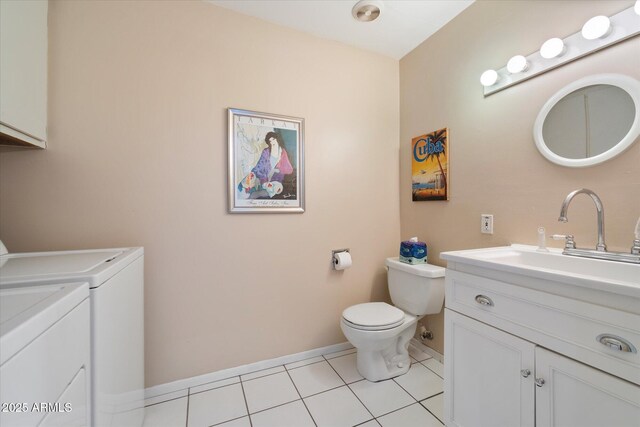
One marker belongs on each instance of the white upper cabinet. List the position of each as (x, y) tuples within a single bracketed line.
[(23, 72)]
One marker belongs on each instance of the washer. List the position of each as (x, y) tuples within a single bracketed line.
[(116, 296)]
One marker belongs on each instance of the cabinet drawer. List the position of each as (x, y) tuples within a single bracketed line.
[(561, 324)]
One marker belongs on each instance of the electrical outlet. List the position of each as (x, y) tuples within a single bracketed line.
[(486, 224)]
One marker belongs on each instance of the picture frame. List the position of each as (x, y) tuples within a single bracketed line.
[(430, 178), (266, 162)]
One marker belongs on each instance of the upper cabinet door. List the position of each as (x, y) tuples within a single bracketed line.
[(573, 394), (489, 375), (23, 71)]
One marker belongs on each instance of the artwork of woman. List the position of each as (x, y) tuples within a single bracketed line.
[(266, 178), (274, 163)]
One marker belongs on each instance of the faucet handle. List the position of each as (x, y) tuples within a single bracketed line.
[(569, 243)]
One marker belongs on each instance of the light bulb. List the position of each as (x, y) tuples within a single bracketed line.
[(517, 64), (552, 48), (596, 27), (489, 78)]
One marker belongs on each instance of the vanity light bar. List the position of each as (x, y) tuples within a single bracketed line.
[(557, 52)]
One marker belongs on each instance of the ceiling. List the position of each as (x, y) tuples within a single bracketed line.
[(402, 25)]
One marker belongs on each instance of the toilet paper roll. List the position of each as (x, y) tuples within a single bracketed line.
[(342, 260)]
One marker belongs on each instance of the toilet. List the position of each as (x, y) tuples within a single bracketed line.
[(381, 332)]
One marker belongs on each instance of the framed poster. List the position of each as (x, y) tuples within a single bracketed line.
[(430, 166), (266, 163)]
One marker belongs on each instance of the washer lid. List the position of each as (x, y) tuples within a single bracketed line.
[(95, 266), (374, 314), (23, 265)]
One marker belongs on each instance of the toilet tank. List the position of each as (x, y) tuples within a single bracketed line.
[(416, 288)]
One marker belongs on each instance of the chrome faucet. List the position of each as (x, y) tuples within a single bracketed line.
[(601, 249), (601, 246)]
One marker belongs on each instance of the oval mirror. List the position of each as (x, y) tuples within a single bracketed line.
[(589, 121)]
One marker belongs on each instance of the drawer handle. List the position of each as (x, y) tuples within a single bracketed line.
[(616, 343), (484, 300)]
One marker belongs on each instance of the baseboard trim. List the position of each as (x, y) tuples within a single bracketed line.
[(420, 346), (179, 388)]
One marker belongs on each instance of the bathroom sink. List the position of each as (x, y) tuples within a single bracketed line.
[(552, 265)]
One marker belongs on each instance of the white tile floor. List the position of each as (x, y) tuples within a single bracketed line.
[(325, 391)]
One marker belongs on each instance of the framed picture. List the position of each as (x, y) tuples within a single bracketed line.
[(430, 166), (266, 163)]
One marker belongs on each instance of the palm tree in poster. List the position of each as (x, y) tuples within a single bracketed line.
[(439, 138)]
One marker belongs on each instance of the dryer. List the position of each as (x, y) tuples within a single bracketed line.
[(45, 355), (116, 297)]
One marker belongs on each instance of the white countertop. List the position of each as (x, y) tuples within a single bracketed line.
[(610, 276)]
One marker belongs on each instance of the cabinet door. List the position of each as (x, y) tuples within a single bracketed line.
[(574, 394), (489, 379), (23, 70)]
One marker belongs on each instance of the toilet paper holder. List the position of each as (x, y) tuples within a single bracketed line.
[(333, 254)]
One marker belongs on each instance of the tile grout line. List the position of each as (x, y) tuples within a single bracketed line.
[(352, 392), (412, 396), (186, 421), (302, 366), (246, 404), (406, 391), (404, 407), (168, 400), (334, 370), (232, 419), (299, 394), (431, 369), (213, 388), (275, 406), (368, 421), (434, 415), (262, 376), (429, 410)]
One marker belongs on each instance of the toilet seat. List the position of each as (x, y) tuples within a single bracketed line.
[(373, 316)]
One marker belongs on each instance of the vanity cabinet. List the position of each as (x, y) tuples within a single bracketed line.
[(494, 379), (482, 375), (574, 394), (518, 354), (23, 72)]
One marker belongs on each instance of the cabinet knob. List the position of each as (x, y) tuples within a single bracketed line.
[(616, 343), (484, 300), (525, 373), (539, 382)]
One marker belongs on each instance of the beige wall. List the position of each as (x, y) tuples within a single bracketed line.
[(137, 155), (495, 167)]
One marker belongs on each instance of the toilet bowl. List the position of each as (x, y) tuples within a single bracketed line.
[(381, 332)]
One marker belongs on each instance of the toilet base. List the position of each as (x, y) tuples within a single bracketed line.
[(389, 362)]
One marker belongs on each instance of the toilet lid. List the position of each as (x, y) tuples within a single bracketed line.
[(374, 315)]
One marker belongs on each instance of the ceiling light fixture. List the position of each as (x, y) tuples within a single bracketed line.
[(367, 10), (517, 64), (596, 27), (552, 48)]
